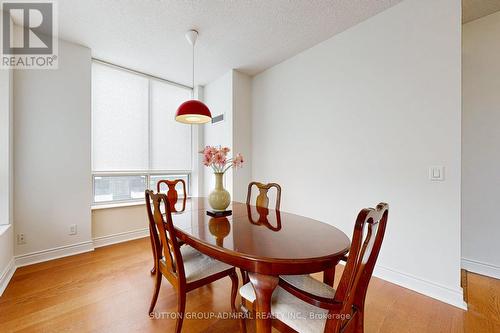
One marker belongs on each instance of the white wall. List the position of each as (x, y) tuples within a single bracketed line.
[(218, 97), (358, 119), (230, 95), (119, 221), (197, 169), (6, 143), (7, 267), (52, 152), (481, 142), (6, 102), (242, 133), (6, 183)]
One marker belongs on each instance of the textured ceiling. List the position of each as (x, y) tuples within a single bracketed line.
[(246, 35), (474, 9)]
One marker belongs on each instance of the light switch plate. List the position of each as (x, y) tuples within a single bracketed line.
[(436, 173)]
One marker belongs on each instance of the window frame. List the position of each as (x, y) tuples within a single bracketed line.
[(149, 172), (148, 176)]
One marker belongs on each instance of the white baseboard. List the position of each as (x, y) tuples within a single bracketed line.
[(7, 274), (481, 268), (425, 287), (120, 237), (54, 253)]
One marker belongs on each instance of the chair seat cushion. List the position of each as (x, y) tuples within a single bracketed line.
[(310, 285), (197, 265), (297, 314)]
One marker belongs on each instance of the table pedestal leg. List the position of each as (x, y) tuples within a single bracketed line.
[(263, 286), (329, 276)]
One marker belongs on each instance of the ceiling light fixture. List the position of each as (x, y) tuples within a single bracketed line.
[(193, 111)]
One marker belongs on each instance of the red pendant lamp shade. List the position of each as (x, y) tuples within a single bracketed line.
[(193, 112)]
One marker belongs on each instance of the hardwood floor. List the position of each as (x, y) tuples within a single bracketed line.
[(109, 290)]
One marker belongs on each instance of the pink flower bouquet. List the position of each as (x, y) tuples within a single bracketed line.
[(216, 157)]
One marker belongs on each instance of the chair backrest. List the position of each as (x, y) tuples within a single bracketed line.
[(163, 233), (153, 233), (262, 199), (172, 194), (367, 239)]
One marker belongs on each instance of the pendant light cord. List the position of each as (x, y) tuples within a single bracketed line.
[(193, 66)]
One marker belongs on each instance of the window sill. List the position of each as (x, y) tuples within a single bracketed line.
[(117, 205), (4, 228)]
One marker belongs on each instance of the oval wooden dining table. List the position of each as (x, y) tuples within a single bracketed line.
[(263, 242)]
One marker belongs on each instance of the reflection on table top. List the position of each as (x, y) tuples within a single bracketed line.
[(259, 232)]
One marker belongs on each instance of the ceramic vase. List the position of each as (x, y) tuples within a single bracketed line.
[(219, 198)]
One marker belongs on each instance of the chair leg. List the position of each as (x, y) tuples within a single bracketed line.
[(243, 324), (234, 289), (244, 276), (155, 293), (155, 264), (360, 322), (181, 307)]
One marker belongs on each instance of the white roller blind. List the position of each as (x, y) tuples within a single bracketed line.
[(133, 123), (170, 140), (119, 120)]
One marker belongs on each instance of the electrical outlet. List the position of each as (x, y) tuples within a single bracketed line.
[(72, 229), (20, 239)]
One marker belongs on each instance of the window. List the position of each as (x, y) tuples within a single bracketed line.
[(135, 138), (120, 103), (118, 188)]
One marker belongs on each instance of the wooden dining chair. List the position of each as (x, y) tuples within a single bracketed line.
[(172, 193), (262, 199), (172, 197), (184, 267), (304, 304)]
